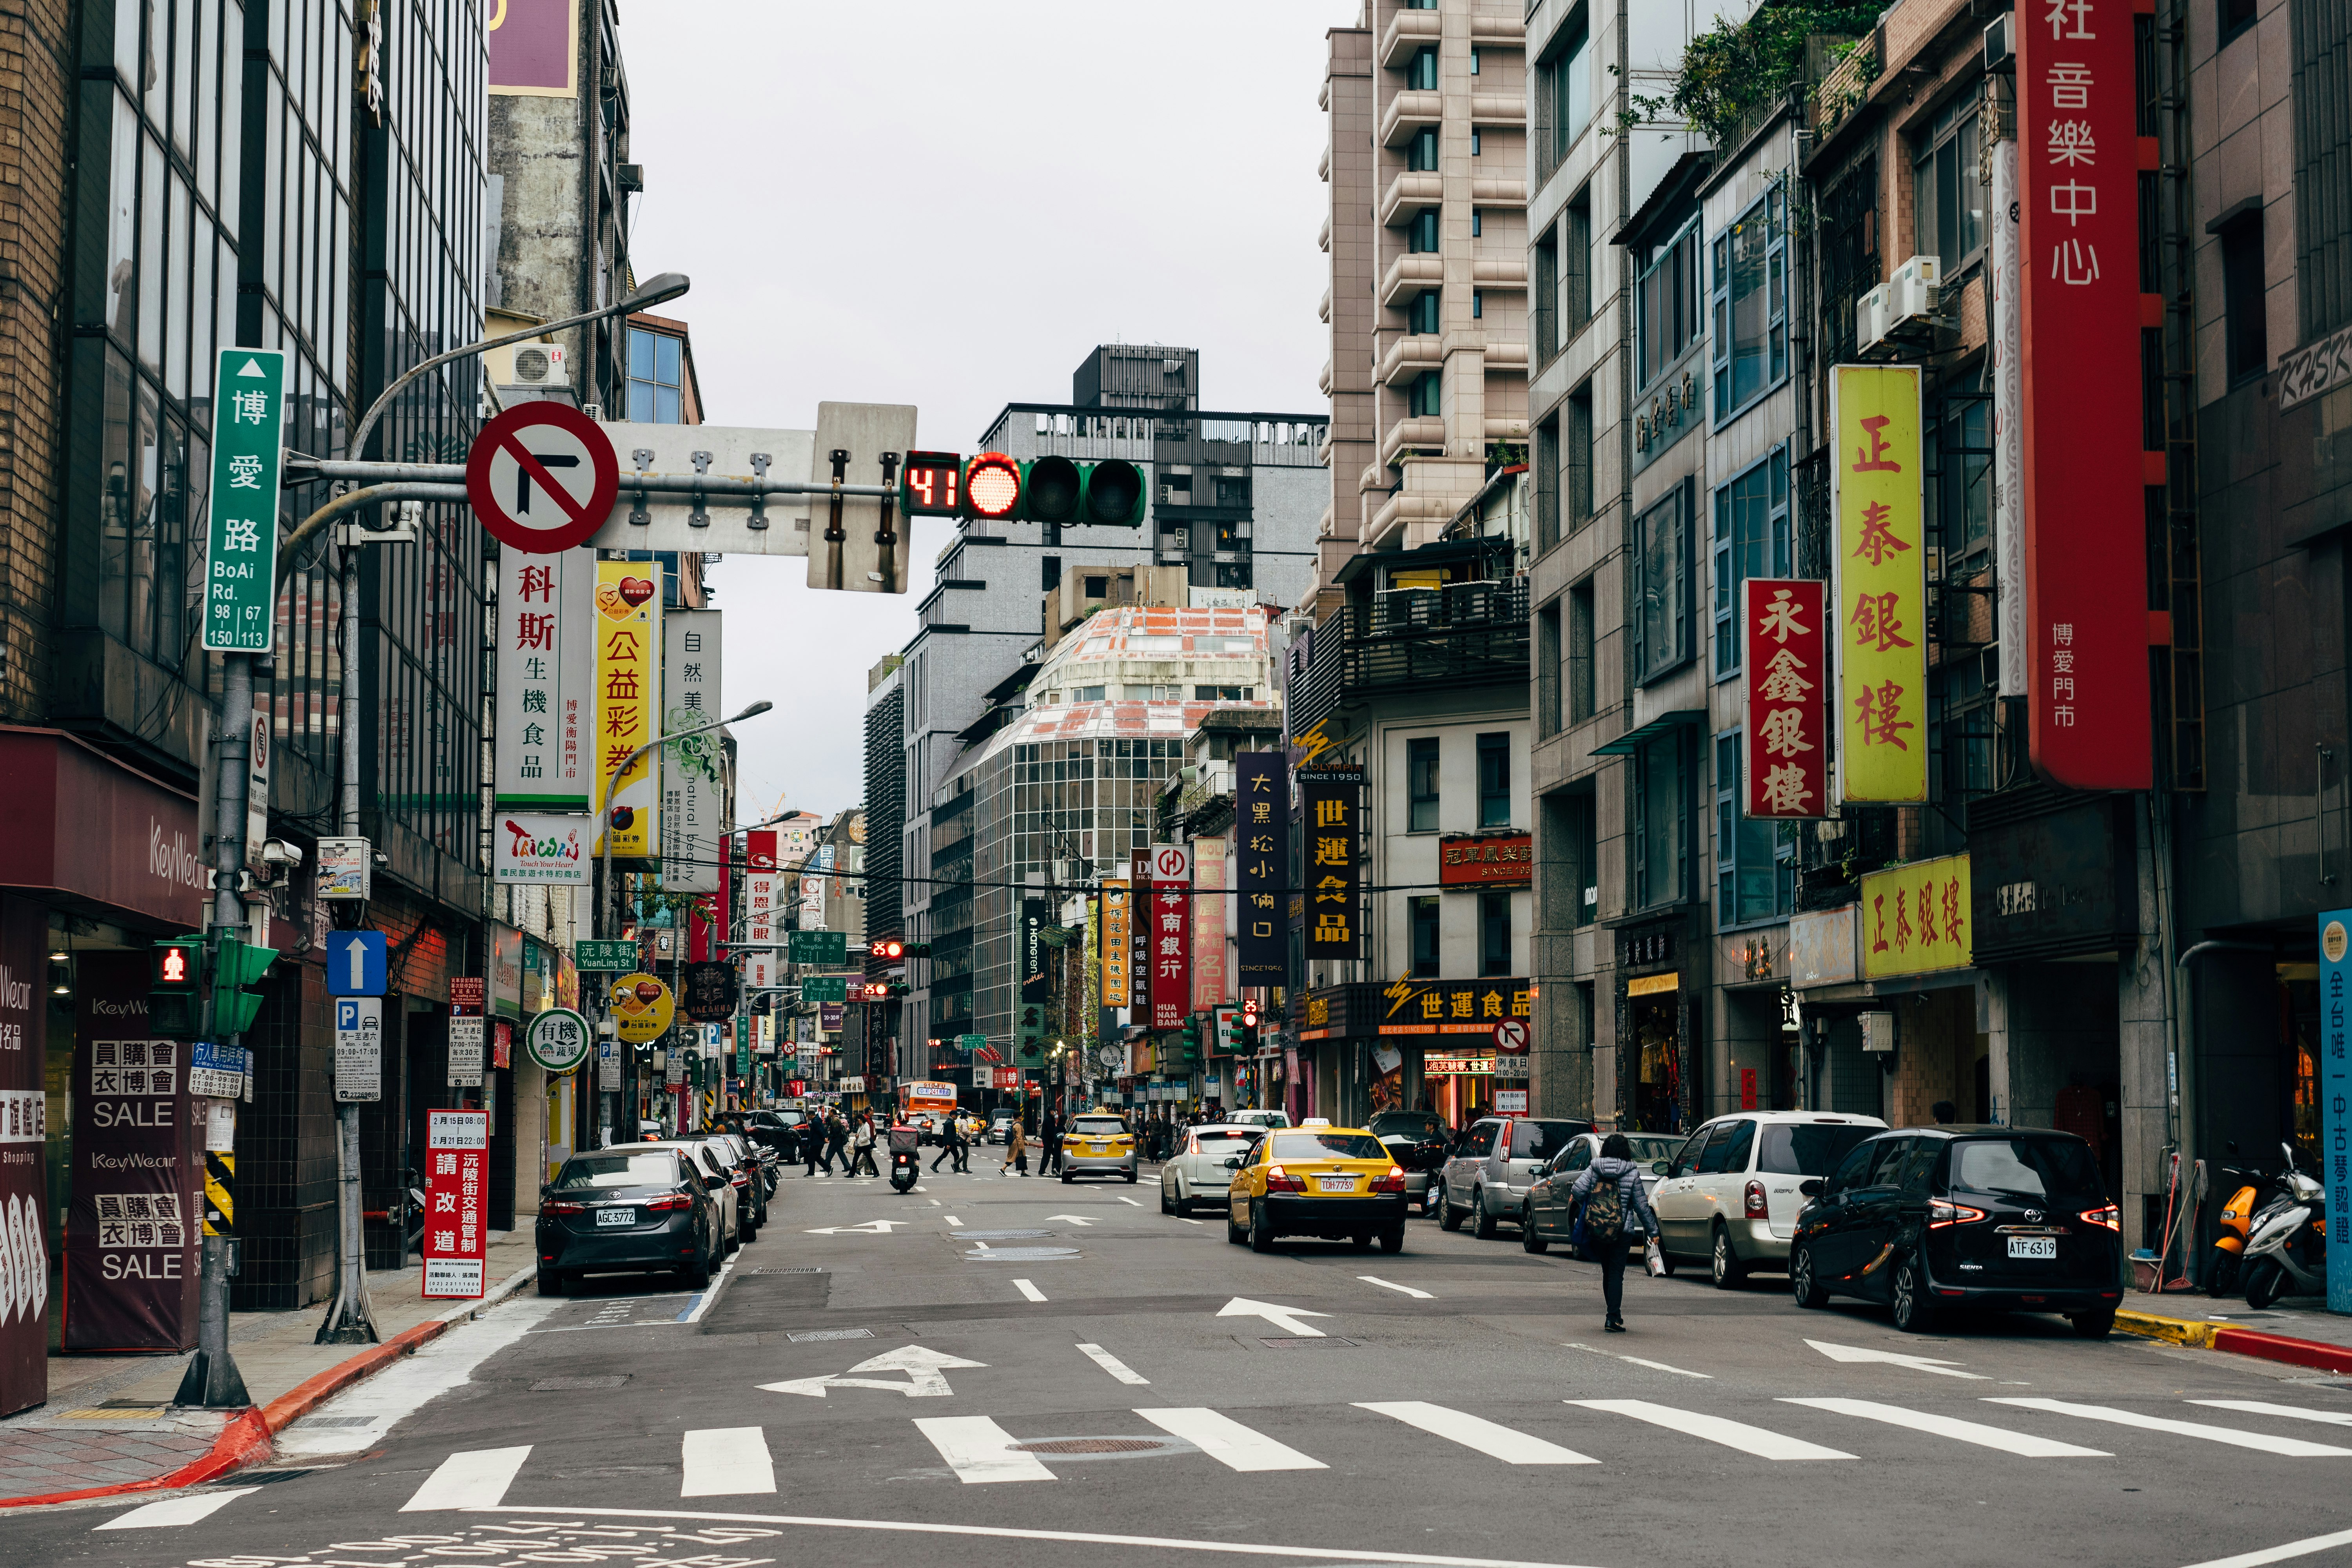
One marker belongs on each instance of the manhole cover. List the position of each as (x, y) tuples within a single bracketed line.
[(814, 1334), (998, 1235), (1091, 1446), (558, 1385), (1301, 1344), (1020, 1253)]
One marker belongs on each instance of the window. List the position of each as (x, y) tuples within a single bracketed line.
[(1097, 587), (1474, 143), (1234, 575), (1424, 914), (1421, 71), (1576, 264), (656, 395), (1495, 781), (1580, 705), (1494, 933), (1420, 785), (1962, 738), (1478, 221), (1662, 826), (1421, 237), (1755, 858), (1427, 398), (1421, 153), (1421, 314), (2236, 16), (1751, 539), (1661, 607), (1477, 304), (1051, 565), (1474, 60), (1224, 693), (1543, 319), (1750, 305), (1947, 199), (1571, 88), (1585, 822), (1667, 311), (1576, 455), (1548, 670), (1087, 694), (1547, 487), (2245, 341)]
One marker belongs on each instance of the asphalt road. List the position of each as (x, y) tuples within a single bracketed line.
[(1002, 1370)]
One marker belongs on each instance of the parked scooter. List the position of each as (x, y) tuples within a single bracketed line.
[(2249, 1190), (2286, 1252)]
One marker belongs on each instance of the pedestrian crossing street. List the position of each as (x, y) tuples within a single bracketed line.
[(737, 1462)]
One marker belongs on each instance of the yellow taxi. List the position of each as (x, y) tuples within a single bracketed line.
[(1098, 1143), (1331, 1182)]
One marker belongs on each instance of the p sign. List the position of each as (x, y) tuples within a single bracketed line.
[(542, 477)]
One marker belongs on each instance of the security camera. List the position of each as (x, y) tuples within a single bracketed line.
[(277, 852)]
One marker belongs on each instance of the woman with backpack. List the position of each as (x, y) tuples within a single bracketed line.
[(1615, 1210)]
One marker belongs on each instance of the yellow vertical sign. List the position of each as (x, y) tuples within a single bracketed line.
[(628, 681), (1880, 573), (1115, 940)]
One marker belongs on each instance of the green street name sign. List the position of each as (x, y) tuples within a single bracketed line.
[(817, 947), (619, 957), (241, 537), (971, 1042), (825, 988)]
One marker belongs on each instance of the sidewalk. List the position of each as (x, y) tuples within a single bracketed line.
[(2298, 1331), (108, 1424)]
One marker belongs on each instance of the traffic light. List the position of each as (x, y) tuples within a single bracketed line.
[(1107, 494), (916, 949), (1248, 1042), (877, 991), (931, 484), (889, 949), (238, 966), (1192, 1037), (175, 988), (992, 488)]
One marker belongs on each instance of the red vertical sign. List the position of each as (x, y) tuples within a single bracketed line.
[(1171, 934), (1786, 692), (2085, 507), (456, 1192)]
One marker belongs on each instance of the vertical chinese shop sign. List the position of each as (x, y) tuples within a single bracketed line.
[(1262, 871), (2335, 1097), (547, 640), (1171, 934), (760, 928), (1209, 976), (1787, 677), (1881, 583), (1140, 923), (456, 1184), (1329, 799), (628, 681), (1117, 942), (2086, 502)]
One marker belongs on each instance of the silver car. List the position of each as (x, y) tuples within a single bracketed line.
[(1097, 1143), (1731, 1195), (1495, 1165), (1197, 1172)]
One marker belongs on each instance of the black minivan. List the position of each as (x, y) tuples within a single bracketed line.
[(629, 1209), (1925, 1218)]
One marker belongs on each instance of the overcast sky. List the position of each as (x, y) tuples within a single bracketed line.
[(950, 204)]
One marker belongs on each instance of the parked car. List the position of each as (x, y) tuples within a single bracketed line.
[(1731, 1195), (1196, 1172), (1260, 1119), (1550, 1215), (750, 1178), (1000, 1127), (1928, 1218), (633, 1209), (711, 1160), (1495, 1166), (1337, 1183), (1417, 1141), (777, 1130)]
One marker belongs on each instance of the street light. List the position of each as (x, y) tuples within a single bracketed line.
[(613, 785)]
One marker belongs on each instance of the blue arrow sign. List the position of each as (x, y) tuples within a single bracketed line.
[(355, 963)]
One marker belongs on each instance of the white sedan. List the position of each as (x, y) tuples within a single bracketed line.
[(1196, 1173)]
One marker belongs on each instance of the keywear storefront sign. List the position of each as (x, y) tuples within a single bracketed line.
[(1784, 688), (1497, 860), (1209, 977), (692, 792), (1452, 1006), (1877, 496), (1330, 803), (1116, 940), (760, 884), (559, 1040), (1262, 866), (2061, 883), (1917, 918), (543, 848)]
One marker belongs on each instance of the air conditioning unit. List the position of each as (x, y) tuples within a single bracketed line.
[(528, 364), (1870, 319), (1915, 293)]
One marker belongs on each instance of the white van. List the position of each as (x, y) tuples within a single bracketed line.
[(1730, 1197)]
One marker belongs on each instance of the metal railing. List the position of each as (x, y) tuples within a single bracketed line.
[(1467, 634)]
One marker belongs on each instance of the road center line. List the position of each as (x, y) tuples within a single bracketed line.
[(1028, 1290), (1113, 1365), (1639, 1361), (1393, 1285), (952, 1220)]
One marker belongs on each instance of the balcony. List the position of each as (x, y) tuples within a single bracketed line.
[(1408, 31), (1468, 633), (1323, 382), (1409, 355), (1498, 27), (1497, 109), (1418, 433), (1323, 306), (1408, 193), (1408, 111), (1410, 274), (1488, 191), (1323, 238), (1499, 270), (1323, 165)]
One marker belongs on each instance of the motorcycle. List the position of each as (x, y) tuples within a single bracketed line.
[(2286, 1250), (905, 1158), (2249, 1189)]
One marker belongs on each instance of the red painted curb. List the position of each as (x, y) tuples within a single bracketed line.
[(244, 1438), (309, 1394), (2280, 1348)]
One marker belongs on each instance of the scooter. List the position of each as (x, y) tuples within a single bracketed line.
[(2287, 1251), (2249, 1190), (905, 1167)]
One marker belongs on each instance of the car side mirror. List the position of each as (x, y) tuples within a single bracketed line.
[(715, 1183), (1811, 1187), (1657, 1167), (1233, 1161)]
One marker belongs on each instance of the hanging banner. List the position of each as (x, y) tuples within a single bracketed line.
[(1117, 942), (1784, 688), (2335, 1097), (760, 924), (544, 752), (24, 1136), (2005, 347), (456, 1187), (1172, 944), (628, 681), (1261, 866), (1876, 496), (1329, 799), (1918, 918), (1209, 968), (2086, 468), (1029, 1027), (693, 800)]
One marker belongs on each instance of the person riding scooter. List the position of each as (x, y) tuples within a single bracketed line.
[(906, 1155)]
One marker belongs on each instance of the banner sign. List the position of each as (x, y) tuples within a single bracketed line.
[(1141, 925), (1917, 918), (1452, 1006), (545, 750), (642, 1008), (1497, 861), (545, 848), (1029, 1028), (1170, 936), (24, 1135), (2335, 1097), (2086, 473), (707, 992), (456, 1188), (1877, 498), (759, 912), (241, 534), (534, 48), (1784, 688), (1117, 940), (693, 799), (358, 1049), (1262, 866), (1329, 799), (628, 682), (1209, 977)]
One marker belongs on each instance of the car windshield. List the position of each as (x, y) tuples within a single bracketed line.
[(1417, 1124), (1329, 1146), (620, 1171), (2056, 1170), (1808, 1148), (1542, 1139), (1098, 1126), (1647, 1149), (1224, 1142)]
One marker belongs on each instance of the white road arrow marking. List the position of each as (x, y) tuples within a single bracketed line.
[(1284, 1317), (926, 1378), (871, 1228), (1852, 1353), (1074, 1219)]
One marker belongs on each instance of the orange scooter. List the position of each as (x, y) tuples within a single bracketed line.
[(2251, 1189)]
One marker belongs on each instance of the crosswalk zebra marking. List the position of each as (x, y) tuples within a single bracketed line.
[(980, 1451), (1028, 1290), (2292, 1412), (726, 1461), (476, 1478), (1736, 1434), (1952, 1427), (2261, 1442), (1113, 1365), (176, 1511), (1490, 1438), (1227, 1441)]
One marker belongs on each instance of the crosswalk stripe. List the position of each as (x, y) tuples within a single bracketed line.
[(1736, 1434), (1028, 1290), (1393, 1285), (1227, 1441), (479, 1479), (726, 1461), (1975, 1432), (2286, 1448), (1494, 1441), (2292, 1412), (978, 1450), (176, 1511), (1113, 1365)]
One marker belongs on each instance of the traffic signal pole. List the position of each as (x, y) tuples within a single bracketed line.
[(350, 1317)]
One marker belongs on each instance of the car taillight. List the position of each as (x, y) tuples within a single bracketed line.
[(1279, 1180), (558, 1206), (1392, 1183), (2110, 1217), (1942, 1212), (1755, 1209), (671, 1201), (740, 1180)]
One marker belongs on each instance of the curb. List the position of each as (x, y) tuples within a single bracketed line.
[(245, 1439), (2216, 1336)]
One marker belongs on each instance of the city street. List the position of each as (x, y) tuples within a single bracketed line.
[(1052, 1374)]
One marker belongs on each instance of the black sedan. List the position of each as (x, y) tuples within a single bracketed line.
[(627, 1210), (1930, 1219)]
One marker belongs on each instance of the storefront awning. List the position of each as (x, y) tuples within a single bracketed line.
[(1627, 743)]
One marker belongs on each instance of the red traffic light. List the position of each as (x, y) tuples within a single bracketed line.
[(1249, 1013), (992, 485), (889, 949), (172, 966)]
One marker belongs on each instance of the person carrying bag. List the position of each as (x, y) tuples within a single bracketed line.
[(1614, 1210)]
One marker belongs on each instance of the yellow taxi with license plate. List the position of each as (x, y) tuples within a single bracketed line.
[(1332, 1182), (1098, 1143)]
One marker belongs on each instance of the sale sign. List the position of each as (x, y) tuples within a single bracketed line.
[(1171, 934), (628, 682), (1878, 499), (1786, 695), (2085, 505), (457, 1194)]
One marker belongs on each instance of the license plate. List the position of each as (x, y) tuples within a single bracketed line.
[(616, 1217), (1336, 1184), (2033, 1246)]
